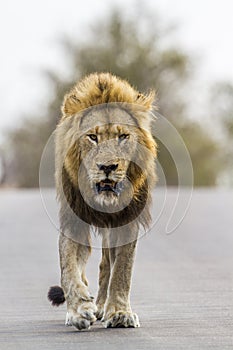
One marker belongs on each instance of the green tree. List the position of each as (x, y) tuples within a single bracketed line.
[(135, 50)]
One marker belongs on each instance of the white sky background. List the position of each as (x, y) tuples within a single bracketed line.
[(29, 32)]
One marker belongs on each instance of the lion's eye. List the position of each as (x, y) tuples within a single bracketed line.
[(93, 137), (123, 137)]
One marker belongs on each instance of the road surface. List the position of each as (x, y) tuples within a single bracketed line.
[(182, 285)]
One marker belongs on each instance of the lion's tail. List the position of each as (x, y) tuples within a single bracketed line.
[(56, 295)]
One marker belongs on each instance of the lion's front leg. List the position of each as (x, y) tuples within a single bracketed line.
[(118, 311), (80, 306)]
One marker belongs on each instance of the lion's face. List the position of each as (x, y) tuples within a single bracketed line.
[(107, 145)]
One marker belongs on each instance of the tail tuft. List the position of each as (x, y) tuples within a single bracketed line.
[(56, 295)]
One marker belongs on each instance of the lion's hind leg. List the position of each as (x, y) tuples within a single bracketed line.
[(104, 276)]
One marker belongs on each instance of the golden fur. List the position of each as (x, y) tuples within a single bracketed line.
[(105, 170), (102, 88)]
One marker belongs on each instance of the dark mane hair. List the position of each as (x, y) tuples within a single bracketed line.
[(74, 199)]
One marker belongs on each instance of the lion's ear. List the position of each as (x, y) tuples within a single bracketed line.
[(147, 104), (71, 105), (146, 100)]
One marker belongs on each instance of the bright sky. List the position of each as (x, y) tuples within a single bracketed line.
[(29, 31)]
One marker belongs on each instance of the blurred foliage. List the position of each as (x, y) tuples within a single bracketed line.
[(222, 106), (26, 144), (133, 49), (222, 111)]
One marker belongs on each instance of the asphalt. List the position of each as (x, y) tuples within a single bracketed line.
[(182, 285)]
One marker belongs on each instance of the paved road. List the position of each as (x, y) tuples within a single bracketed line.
[(182, 286)]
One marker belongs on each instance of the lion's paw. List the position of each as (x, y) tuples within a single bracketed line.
[(100, 312), (68, 321), (83, 318), (78, 322), (121, 319)]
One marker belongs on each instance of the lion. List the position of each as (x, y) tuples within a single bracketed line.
[(104, 171)]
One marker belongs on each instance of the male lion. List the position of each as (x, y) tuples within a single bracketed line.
[(105, 169)]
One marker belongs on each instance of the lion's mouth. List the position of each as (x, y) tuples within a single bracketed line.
[(108, 185)]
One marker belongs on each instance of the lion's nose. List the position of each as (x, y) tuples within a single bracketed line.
[(107, 168)]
